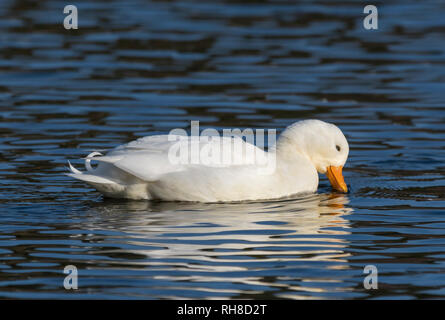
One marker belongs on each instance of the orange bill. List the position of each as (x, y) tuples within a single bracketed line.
[(336, 179)]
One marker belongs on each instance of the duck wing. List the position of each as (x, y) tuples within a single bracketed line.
[(150, 158)]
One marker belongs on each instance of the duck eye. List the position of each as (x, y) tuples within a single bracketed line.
[(338, 147)]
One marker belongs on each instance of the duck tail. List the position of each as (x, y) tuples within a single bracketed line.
[(89, 176)]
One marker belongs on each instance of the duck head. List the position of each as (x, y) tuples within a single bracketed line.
[(323, 144)]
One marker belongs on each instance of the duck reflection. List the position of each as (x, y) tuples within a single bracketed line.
[(288, 245), (315, 214)]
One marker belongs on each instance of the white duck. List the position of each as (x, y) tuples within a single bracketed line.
[(144, 169)]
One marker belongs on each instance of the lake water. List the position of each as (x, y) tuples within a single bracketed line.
[(135, 68)]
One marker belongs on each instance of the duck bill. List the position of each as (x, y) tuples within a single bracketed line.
[(335, 176)]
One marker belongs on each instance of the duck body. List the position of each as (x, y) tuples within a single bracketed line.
[(148, 168)]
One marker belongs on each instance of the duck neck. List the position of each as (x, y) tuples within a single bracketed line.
[(287, 151), (294, 167)]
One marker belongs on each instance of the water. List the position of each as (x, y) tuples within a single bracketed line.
[(136, 68)]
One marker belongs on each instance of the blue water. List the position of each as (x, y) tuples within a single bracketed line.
[(135, 68)]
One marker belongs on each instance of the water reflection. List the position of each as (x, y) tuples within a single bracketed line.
[(310, 214), (243, 243)]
